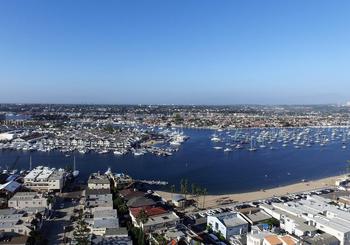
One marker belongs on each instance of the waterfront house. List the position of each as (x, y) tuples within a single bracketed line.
[(45, 179), (99, 181), (179, 201)]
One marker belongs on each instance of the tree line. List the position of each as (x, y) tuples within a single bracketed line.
[(197, 192)]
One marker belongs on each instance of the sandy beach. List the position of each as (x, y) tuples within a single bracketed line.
[(217, 200)]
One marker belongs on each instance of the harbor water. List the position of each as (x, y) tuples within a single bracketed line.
[(220, 172)]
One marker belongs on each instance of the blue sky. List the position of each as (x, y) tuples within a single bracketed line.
[(175, 52)]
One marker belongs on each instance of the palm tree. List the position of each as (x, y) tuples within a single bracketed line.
[(347, 168), (193, 189), (172, 190), (186, 187), (182, 186), (204, 192)]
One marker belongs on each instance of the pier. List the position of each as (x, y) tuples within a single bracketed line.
[(152, 182)]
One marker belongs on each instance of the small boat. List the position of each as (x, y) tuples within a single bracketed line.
[(109, 171), (227, 149), (217, 147), (118, 153), (215, 139)]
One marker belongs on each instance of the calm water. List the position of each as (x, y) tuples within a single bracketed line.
[(198, 162)]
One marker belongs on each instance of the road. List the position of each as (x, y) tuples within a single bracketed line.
[(53, 229)]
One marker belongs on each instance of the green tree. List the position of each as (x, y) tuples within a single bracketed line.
[(81, 231), (37, 238), (178, 118), (272, 222), (137, 235), (142, 217), (50, 200)]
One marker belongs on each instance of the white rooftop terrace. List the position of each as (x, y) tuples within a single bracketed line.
[(319, 210)]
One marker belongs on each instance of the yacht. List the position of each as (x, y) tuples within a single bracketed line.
[(215, 139), (118, 152)]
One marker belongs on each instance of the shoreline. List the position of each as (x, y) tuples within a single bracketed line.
[(212, 201)]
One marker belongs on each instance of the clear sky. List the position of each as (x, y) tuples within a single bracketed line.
[(175, 51)]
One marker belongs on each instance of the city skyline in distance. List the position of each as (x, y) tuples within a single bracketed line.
[(183, 52)]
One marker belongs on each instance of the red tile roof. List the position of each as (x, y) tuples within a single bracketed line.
[(150, 211)]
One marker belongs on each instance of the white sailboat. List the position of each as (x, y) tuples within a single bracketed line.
[(75, 172), (252, 148)]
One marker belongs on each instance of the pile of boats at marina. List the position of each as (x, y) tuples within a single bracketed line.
[(277, 138), (164, 143)]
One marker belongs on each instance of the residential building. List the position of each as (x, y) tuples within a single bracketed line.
[(279, 240), (98, 199), (254, 215), (179, 201), (159, 219), (15, 221), (103, 220), (22, 200), (98, 181), (228, 224), (117, 236), (316, 212), (9, 238)]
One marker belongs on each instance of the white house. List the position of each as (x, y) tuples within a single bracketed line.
[(228, 224)]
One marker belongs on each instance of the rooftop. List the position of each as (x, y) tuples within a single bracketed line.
[(230, 219)]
